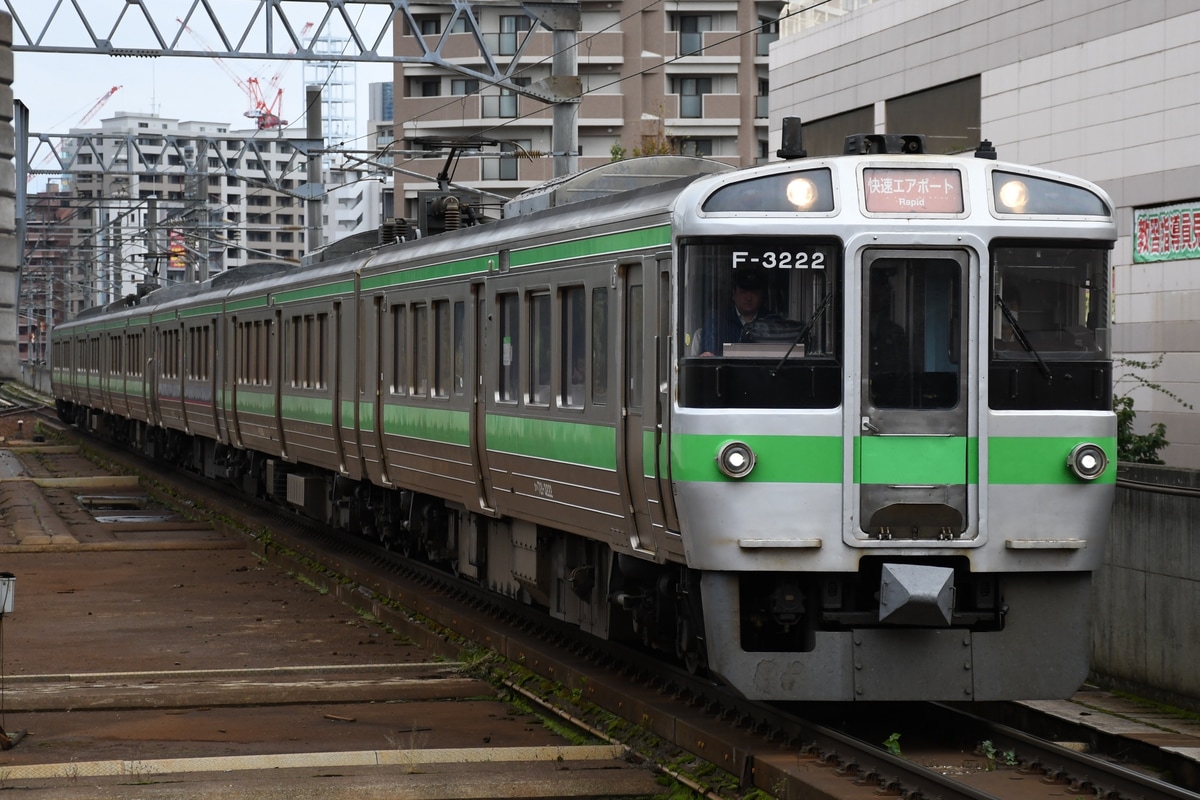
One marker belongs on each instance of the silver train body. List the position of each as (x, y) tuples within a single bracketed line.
[(892, 483)]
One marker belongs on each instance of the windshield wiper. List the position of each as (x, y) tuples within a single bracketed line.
[(1022, 339), (803, 334)]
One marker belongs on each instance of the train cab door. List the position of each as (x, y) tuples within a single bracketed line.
[(913, 461), (637, 457)]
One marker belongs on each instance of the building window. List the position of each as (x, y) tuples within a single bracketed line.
[(948, 115), (691, 93), (427, 24), (504, 168), (511, 28), (692, 28), (503, 105), (699, 148), (463, 86)]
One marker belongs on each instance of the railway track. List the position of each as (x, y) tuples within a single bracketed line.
[(654, 707)]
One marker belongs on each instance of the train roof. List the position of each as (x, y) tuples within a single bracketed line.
[(609, 179)]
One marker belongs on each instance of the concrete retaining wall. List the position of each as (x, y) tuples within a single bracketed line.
[(9, 257), (1146, 599)]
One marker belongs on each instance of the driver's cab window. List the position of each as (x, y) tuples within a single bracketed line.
[(758, 299), (760, 323), (1049, 302)]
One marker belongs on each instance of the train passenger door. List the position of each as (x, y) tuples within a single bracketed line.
[(281, 374), (215, 346), (375, 376), (345, 352), (914, 462), (238, 360), (478, 424), (637, 459)]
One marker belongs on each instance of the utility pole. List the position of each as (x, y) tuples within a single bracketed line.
[(312, 112)]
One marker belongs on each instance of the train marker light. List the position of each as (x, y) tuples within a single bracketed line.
[(802, 193), (1087, 461), (735, 459), (1013, 195)]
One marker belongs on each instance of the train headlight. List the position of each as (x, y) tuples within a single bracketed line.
[(1013, 196), (802, 193), (1087, 461), (735, 459)]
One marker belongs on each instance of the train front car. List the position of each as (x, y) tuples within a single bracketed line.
[(892, 442)]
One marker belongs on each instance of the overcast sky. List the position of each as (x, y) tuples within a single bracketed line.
[(60, 89)]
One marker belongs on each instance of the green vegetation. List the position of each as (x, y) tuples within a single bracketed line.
[(1139, 448)]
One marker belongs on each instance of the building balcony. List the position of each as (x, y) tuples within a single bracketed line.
[(724, 45)]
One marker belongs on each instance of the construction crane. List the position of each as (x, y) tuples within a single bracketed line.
[(264, 114), (273, 84), (91, 112)]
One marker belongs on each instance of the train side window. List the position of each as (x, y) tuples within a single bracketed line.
[(399, 349), (296, 362), (510, 347), (320, 347), (634, 346), (574, 347), (599, 346), (312, 378), (460, 370), (441, 348), (420, 320), (539, 349)]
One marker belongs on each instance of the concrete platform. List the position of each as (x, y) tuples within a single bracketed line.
[(159, 658)]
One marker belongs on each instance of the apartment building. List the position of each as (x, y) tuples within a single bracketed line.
[(172, 200), (690, 76)]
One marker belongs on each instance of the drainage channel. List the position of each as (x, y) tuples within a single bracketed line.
[(113, 509)]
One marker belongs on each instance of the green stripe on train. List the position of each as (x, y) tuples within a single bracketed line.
[(642, 238), (251, 402), (452, 269), (780, 459), (556, 440), (935, 460), (431, 424), (1043, 459), (315, 410), (314, 292)]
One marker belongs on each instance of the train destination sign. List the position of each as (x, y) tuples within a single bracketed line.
[(912, 191)]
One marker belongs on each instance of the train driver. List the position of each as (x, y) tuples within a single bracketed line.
[(749, 300)]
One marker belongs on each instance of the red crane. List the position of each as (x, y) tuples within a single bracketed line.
[(91, 112), (264, 114)]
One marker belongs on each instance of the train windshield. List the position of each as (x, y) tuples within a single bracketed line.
[(1050, 303), (760, 321)]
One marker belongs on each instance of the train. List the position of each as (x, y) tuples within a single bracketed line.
[(831, 428)]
